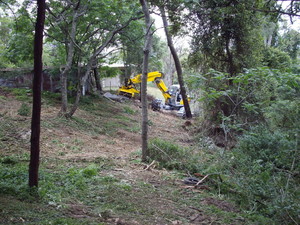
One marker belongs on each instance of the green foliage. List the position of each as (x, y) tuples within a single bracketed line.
[(226, 35), (276, 59), (52, 188), (51, 98), (75, 180), (21, 94), (20, 44), (261, 172), (5, 32), (249, 98), (289, 42), (132, 39), (265, 164), (24, 110), (172, 156), (129, 110), (276, 148), (54, 54), (90, 171), (107, 71), (13, 179), (101, 19)]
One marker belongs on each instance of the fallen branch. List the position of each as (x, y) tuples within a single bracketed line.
[(149, 166), (201, 181)]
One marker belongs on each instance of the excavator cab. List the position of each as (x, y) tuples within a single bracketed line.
[(175, 99)]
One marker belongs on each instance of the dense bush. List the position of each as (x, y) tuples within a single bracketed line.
[(266, 166), (172, 156), (277, 59), (233, 104), (259, 110)]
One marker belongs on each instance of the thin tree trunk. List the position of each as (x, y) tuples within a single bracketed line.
[(148, 40), (97, 80), (36, 106), (177, 65), (70, 52), (78, 93)]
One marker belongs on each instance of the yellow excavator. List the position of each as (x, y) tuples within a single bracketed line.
[(173, 98)]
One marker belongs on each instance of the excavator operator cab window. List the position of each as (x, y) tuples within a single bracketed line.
[(178, 97), (173, 90), (128, 82)]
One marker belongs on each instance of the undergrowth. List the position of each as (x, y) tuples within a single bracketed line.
[(65, 188), (254, 175), (172, 156)]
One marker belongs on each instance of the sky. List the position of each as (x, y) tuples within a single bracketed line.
[(295, 24)]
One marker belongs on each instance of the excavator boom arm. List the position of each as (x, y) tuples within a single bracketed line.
[(129, 89), (163, 88), (150, 77)]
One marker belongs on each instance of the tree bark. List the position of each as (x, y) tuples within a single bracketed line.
[(97, 80), (70, 55), (78, 94), (177, 65), (148, 40), (36, 106)]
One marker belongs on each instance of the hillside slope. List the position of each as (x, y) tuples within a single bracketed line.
[(91, 172)]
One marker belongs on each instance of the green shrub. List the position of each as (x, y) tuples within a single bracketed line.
[(172, 156), (24, 110), (264, 166), (90, 171), (50, 97), (276, 59), (129, 110), (21, 94)]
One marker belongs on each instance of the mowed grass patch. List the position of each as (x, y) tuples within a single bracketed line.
[(97, 115), (14, 135)]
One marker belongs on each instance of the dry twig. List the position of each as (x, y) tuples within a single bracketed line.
[(201, 181), (150, 165)]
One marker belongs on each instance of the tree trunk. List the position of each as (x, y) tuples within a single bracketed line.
[(36, 106), (64, 74), (78, 94), (177, 65), (148, 40), (98, 81)]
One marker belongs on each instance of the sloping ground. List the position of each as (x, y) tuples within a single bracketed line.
[(91, 171)]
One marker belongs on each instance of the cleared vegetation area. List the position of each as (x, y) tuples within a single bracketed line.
[(91, 173)]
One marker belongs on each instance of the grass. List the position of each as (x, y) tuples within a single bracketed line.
[(11, 131), (22, 94)]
